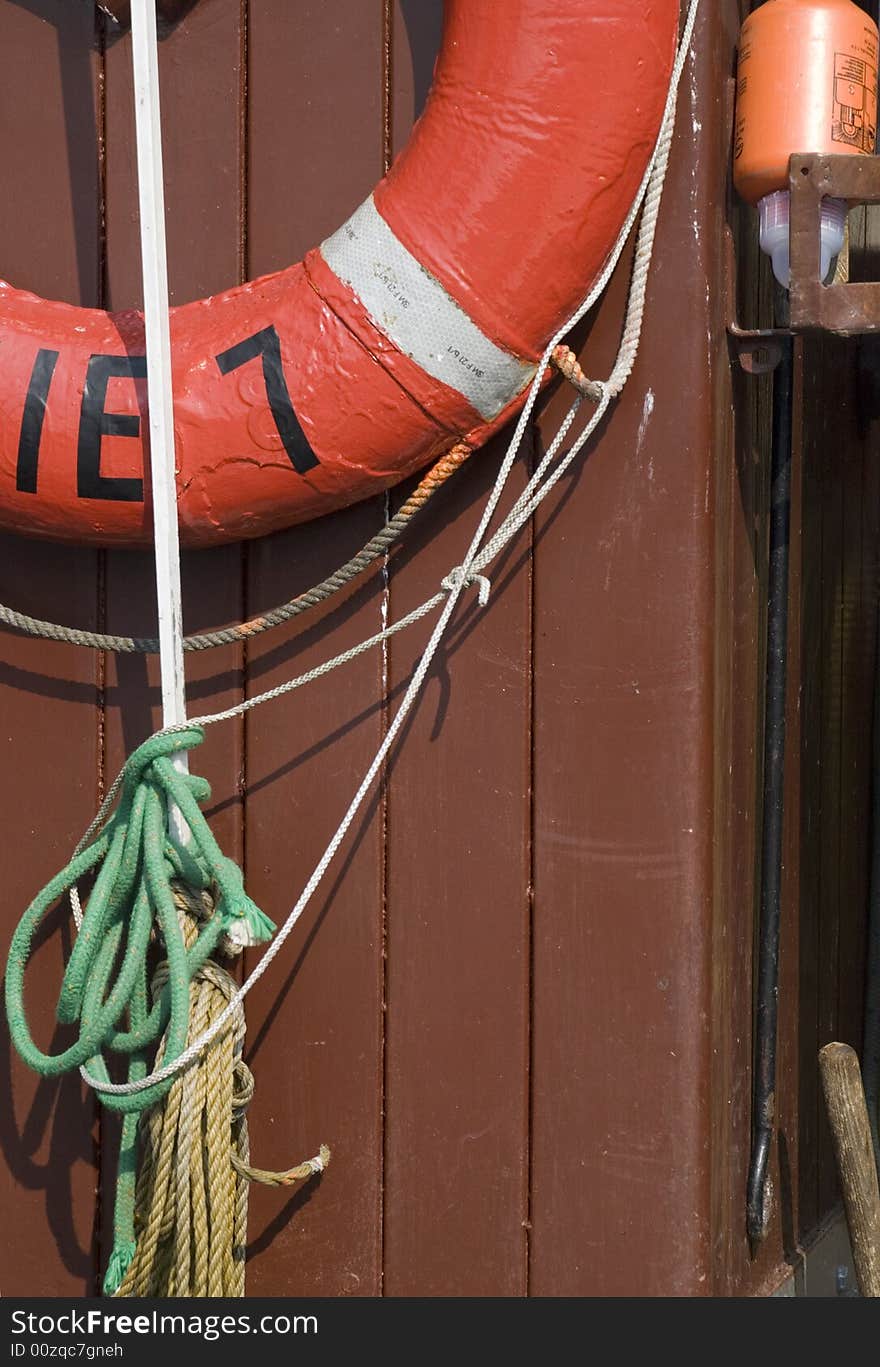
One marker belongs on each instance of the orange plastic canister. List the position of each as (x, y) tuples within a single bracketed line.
[(806, 82)]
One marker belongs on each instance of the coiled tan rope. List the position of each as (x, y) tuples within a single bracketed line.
[(194, 1169)]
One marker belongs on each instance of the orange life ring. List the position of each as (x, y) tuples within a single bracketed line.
[(419, 322)]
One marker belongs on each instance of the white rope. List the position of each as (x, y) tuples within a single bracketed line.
[(154, 260), (478, 557)]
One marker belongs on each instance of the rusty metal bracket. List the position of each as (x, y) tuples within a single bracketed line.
[(849, 308), (759, 350)]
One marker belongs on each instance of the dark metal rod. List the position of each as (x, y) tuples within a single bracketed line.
[(764, 1090)]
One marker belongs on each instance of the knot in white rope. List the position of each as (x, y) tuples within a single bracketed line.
[(459, 579)]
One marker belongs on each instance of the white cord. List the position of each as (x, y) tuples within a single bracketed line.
[(151, 196)]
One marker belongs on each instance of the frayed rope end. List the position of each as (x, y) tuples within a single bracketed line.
[(120, 1261), (246, 925)]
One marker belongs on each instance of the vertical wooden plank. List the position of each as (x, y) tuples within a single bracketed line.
[(315, 150), (49, 120), (848, 629), (624, 728), (869, 413), (838, 669), (458, 925), (760, 1272), (202, 80), (827, 356), (859, 660), (858, 638), (741, 511), (458, 889)]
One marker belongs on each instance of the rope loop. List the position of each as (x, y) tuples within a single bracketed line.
[(312, 1167), (180, 1216), (569, 367)]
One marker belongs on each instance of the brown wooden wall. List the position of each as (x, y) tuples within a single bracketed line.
[(520, 1012)]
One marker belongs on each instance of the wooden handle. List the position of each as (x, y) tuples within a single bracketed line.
[(848, 1117)]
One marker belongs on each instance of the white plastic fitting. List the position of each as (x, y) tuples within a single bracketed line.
[(773, 217)]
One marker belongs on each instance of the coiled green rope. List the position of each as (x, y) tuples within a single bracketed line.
[(105, 987)]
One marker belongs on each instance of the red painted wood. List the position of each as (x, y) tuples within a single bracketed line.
[(623, 792), (48, 693), (459, 817), (316, 1023), (457, 1019), (626, 1084)]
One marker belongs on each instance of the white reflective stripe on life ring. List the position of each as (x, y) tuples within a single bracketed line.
[(415, 312)]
